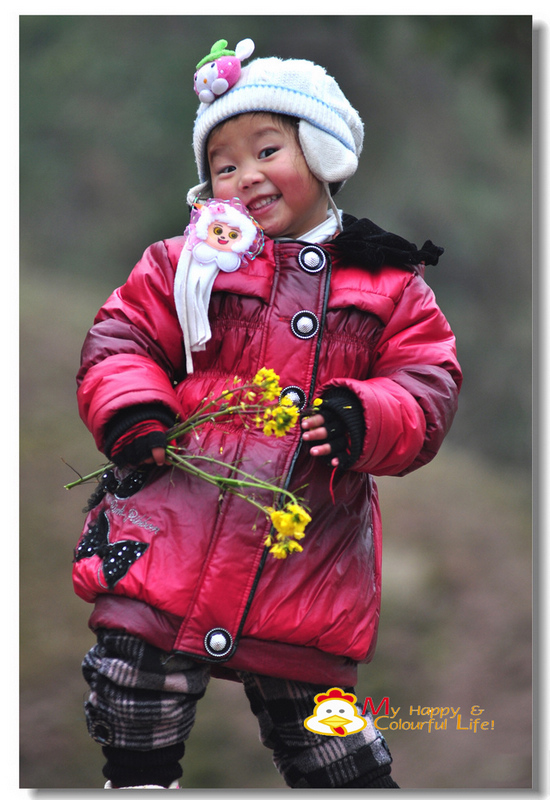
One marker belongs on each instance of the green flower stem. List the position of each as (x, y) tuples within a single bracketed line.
[(224, 484), (231, 484), (89, 477), (199, 419), (266, 390), (204, 415), (174, 433)]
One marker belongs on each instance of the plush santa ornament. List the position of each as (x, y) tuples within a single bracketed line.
[(220, 236), (225, 233)]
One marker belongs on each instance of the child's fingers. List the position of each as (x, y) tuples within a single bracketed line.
[(318, 434), (314, 430), (311, 423), (159, 456), (321, 450)]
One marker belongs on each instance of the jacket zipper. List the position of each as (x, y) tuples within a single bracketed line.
[(298, 450)]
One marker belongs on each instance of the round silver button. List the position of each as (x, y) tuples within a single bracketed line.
[(304, 324), (312, 258), (296, 395), (218, 642)]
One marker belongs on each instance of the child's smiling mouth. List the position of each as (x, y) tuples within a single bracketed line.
[(264, 202)]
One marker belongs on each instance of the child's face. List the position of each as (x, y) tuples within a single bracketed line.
[(258, 159)]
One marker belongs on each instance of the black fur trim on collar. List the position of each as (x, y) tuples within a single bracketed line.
[(371, 246)]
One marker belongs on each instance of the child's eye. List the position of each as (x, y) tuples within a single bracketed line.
[(268, 151), (226, 170)]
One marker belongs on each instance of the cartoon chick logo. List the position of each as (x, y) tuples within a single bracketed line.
[(335, 714)]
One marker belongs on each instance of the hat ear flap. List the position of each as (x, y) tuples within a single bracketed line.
[(328, 159), (202, 191)]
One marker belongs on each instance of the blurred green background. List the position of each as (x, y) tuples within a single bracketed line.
[(106, 114)]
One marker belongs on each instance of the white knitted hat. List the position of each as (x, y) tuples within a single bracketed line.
[(330, 130)]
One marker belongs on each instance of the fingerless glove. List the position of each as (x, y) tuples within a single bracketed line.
[(345, 424), (135, 431)]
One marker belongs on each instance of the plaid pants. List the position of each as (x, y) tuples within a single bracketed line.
[(144, 699)]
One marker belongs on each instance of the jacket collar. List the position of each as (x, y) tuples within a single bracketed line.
[(370, 246)]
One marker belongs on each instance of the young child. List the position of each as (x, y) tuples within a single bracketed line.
[(338, 308)]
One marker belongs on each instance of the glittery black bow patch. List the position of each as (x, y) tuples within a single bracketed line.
[(117, 557), (126, 487)]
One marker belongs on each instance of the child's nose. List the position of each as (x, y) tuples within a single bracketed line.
[(250, 176)]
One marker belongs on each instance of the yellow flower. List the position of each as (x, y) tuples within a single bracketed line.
[(290, 523), (269, 428), (283, 523), (284, 549), (300, 518), (281, 418), (268, 381), (287, 407), (278, 550)]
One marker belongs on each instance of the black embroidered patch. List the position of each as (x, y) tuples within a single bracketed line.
[(126, 487), (117, 557), (108, 483), (132, 483)]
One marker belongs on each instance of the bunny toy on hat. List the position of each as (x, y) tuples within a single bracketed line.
[(220, 69), (330, 130)]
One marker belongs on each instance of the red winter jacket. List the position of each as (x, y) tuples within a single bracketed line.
[(203, 583)]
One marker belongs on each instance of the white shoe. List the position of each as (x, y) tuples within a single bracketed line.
[(174, 785)]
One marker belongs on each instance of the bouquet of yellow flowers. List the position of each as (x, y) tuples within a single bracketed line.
[(255, 402)]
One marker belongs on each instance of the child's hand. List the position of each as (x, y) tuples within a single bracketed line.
[(314, 430), (143, 442), (334, 426)]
